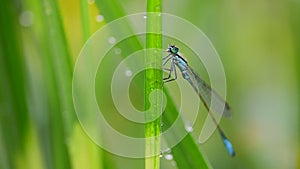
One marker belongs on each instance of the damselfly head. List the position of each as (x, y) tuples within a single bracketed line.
[(173, 49)]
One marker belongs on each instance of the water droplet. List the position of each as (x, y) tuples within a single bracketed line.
[(111, 40), (189, 128), (169, 157), (128, 73), (118, 51), (99, 18), (26, 18), (91, 2)]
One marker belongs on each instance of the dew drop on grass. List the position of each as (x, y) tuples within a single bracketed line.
[(99, 18), (26, 18), (169, 157), (128, 73), (111, 40), (189, 128)]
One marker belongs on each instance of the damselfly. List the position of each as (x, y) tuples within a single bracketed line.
[(203, 90)]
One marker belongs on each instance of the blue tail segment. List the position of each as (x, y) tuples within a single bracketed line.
[(228, 145)]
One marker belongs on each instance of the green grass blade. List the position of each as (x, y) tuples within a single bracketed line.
[(48, 44), (85, 19), (153, 82), (14, 121), (187, 153)]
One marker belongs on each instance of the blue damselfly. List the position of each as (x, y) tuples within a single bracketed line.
[(203, 90)]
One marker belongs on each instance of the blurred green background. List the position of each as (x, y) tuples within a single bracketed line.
[(258, 42)]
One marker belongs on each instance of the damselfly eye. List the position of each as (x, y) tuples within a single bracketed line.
[(174, 49)]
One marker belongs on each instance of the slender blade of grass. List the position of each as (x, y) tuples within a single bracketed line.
[(48, 41), (85, 19), (14, 121), (153, 79)]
